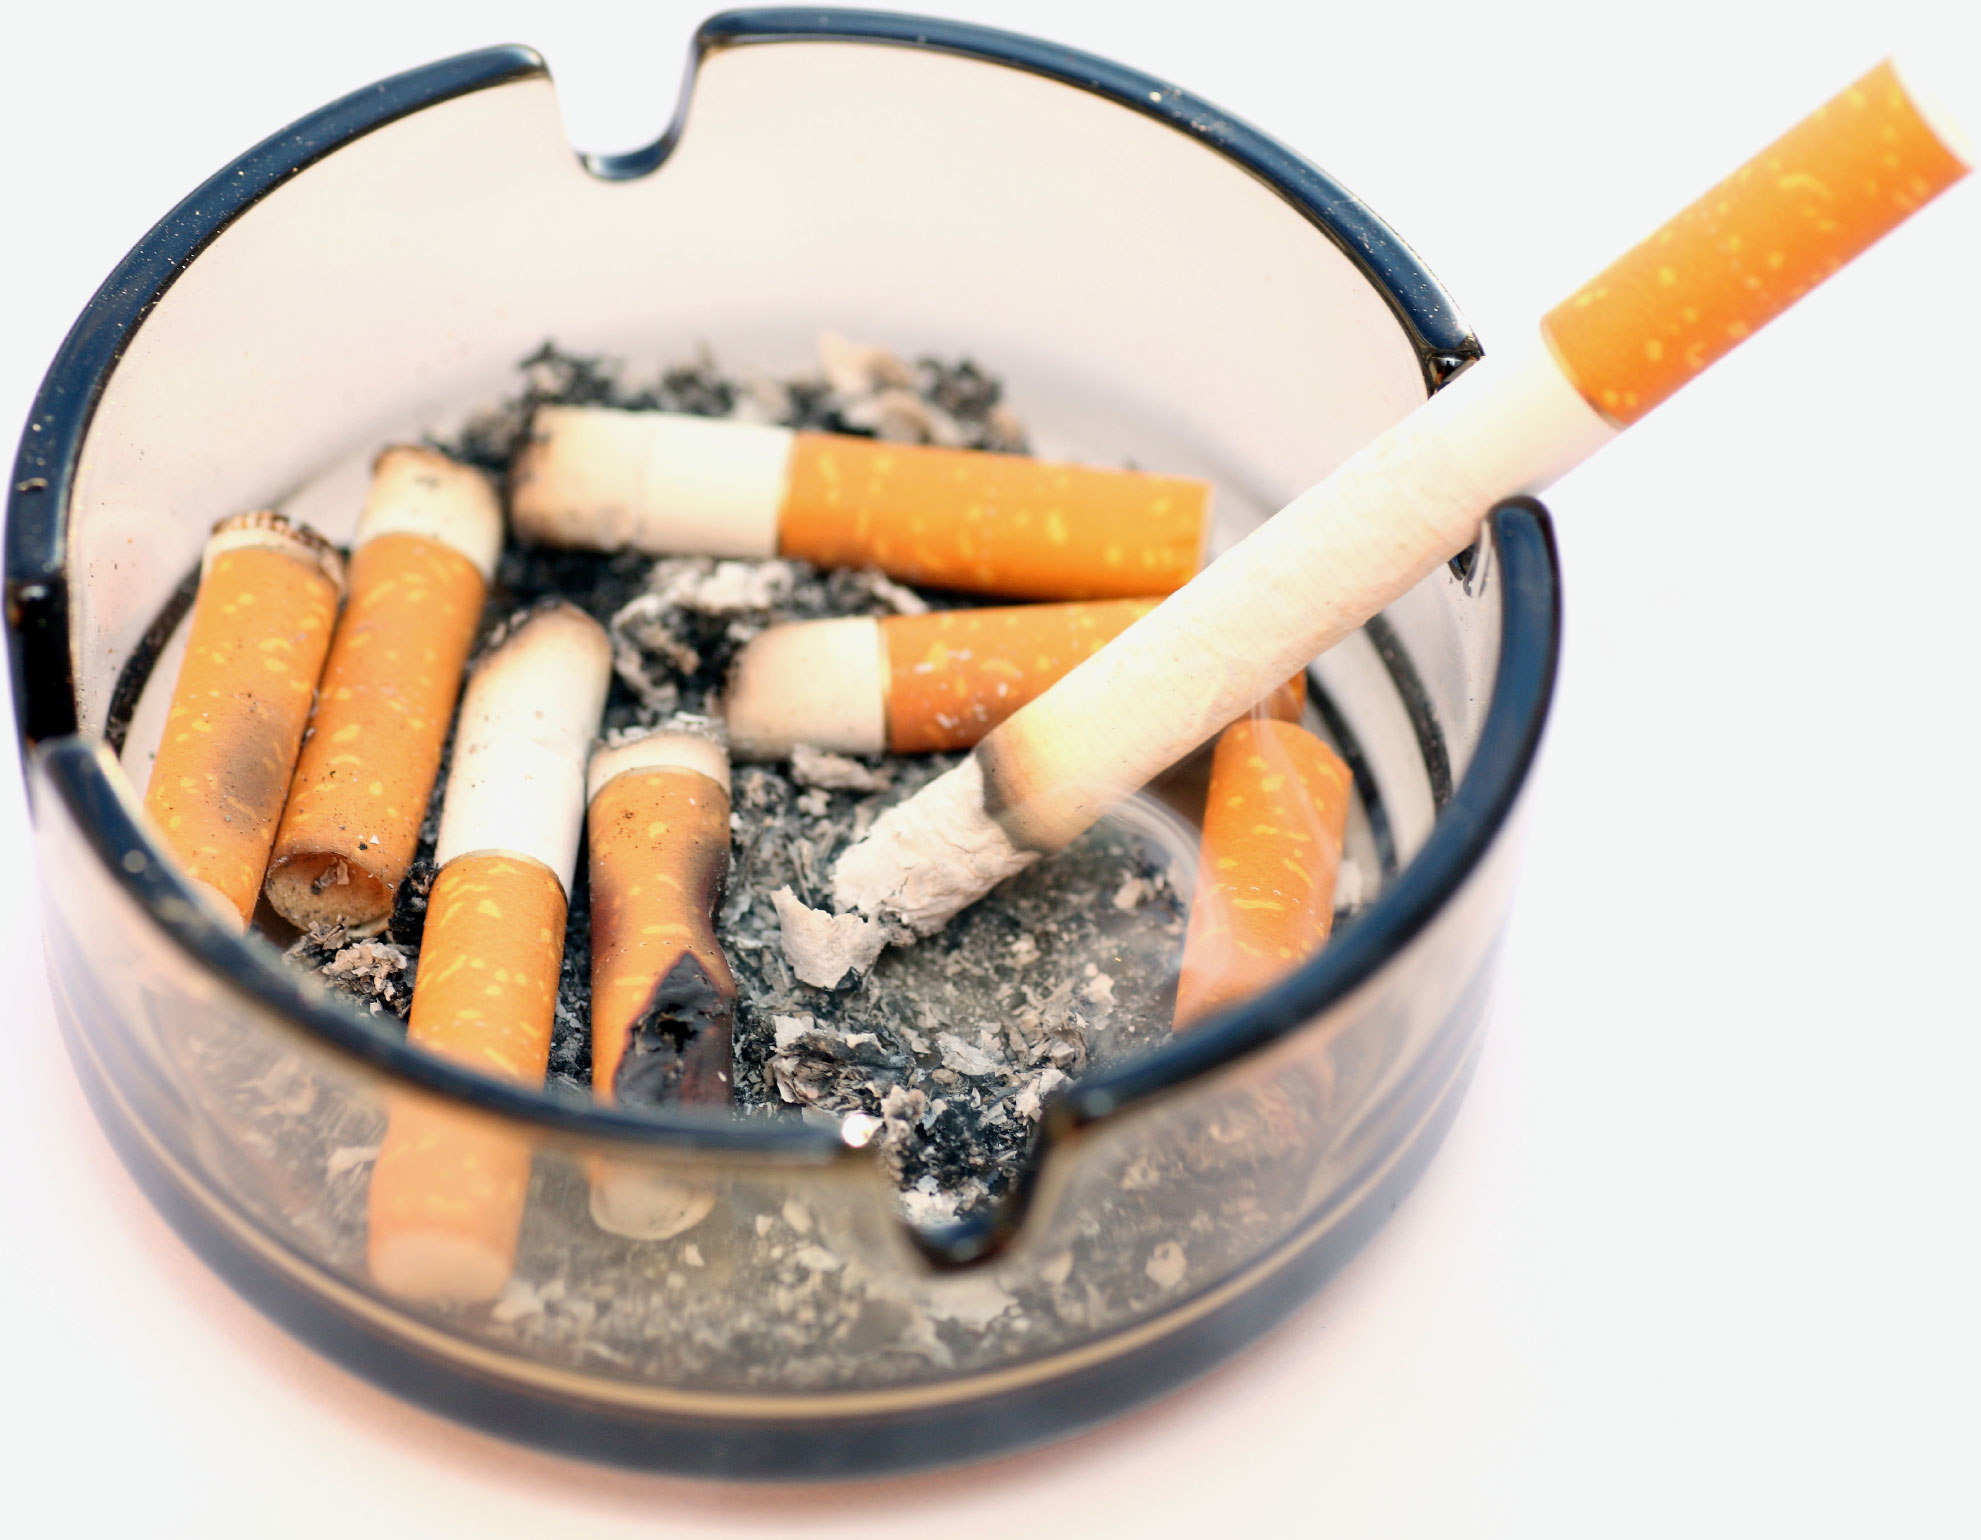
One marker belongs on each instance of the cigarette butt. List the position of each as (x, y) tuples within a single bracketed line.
[(949, 518), (908, 684), (1397, 509), (260, 627), (1273, 823), (425, 547), (663, 996), (662, 992), (447, 1193), (1732, 261)]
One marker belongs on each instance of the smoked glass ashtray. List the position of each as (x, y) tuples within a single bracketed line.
[(1156, 284)]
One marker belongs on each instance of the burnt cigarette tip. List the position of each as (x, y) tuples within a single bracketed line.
[(267, 530), (674, 746)]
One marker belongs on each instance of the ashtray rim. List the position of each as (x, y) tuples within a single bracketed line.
[(79, 772)]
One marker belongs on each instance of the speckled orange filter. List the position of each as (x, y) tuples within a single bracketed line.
[(1733, 261), (260, 627), (659, 855), (447, 1193), (990, 523), (1273, 824), (953, 675), (489, 956), (369, 763)]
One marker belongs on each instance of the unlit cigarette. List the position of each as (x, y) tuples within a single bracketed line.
[(420, 564), (261, 624), (606, 479), (448, 1189), (1273, 824), (663, 997), (907, 684), (1392, 513)]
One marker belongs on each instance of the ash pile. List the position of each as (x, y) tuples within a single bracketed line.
[(944, 1051)]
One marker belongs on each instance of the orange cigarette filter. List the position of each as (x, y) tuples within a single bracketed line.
[(663, 996), (1734, 260), (447, 1193), (1273, 825), (990, 523), (672, 484), (953, 675), (260, 627), (369, 762), (908, 684)]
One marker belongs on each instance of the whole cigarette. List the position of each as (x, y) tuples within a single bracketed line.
[(663, 997), (420, 564), (260, 627), (1273, 824), (949, 518), (907, 684), (1393, 512), (447, 1192)]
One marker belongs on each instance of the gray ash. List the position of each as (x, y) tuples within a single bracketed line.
[(952, 1043), (950, 1046), (375, 971)]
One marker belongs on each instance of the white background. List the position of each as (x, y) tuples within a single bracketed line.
[(1699, 1254)]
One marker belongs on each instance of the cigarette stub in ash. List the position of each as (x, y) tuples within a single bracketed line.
[(908, 684), (420, 564), (1404, 504), (1273, 824), (663, 996), (604, 479), (260, 627), (447, 1192)]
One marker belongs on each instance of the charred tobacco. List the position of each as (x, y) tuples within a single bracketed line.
[(678, 1048)]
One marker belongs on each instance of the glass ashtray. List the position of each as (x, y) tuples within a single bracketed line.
[(1157, 284)]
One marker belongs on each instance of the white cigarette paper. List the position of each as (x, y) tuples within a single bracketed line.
[(652, 481), (823, 684), (528, 718), (419, 491)]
